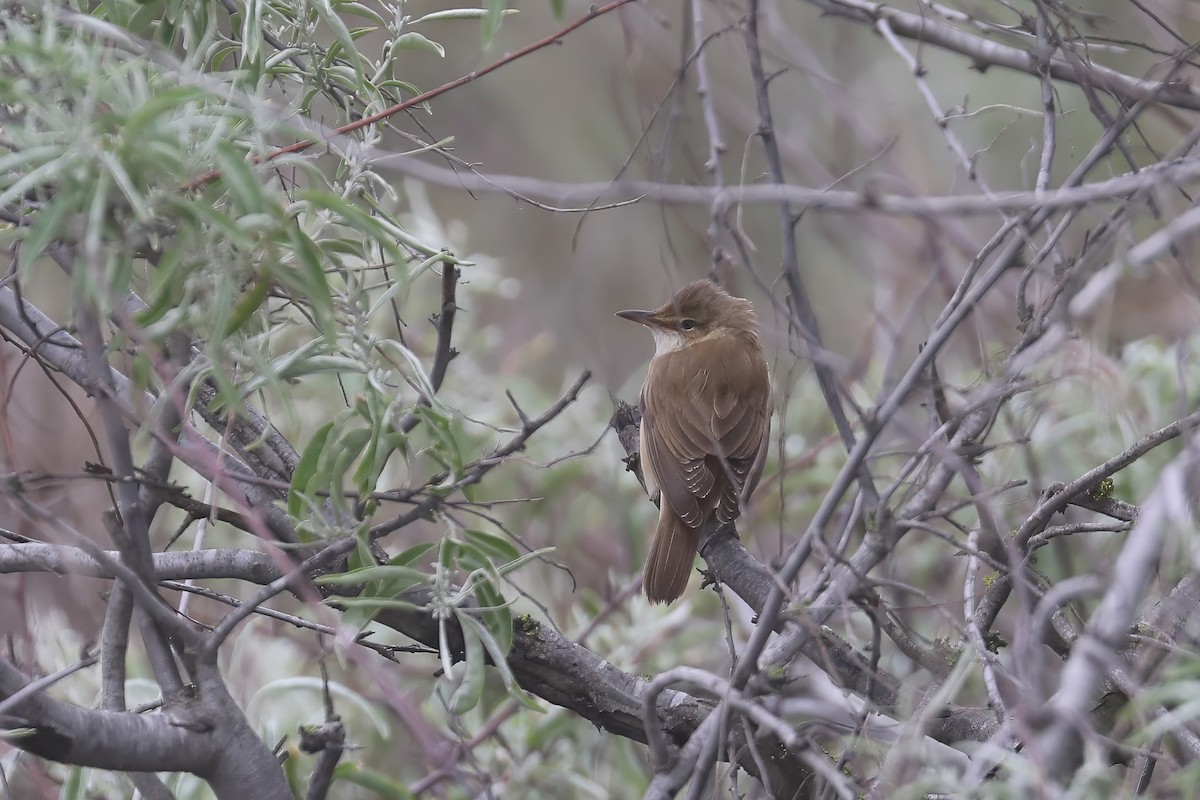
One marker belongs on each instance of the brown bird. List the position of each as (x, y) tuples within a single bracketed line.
[(706, 416)]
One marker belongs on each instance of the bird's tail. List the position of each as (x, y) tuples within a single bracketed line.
[(672, 554)]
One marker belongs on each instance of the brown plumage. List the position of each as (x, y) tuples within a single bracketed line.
[(706, 415)]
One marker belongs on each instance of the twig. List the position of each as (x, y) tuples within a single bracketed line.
[(328, 739), (1169, 173), (63, 352), (932, 32), (508, 58), (474, 472), (803, 315), (1059, 495), (716, 145), (1044, 51), (444, 353), (1054, 531), (1059, 745), (33, 687), (388, 651)]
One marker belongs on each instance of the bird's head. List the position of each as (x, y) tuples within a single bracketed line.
[(700, 311)]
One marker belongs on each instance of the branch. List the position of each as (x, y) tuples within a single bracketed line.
[(832, 389), (930, 31), (1060, 744), (131, 528), (732, 565), (63, 352), (424, 97), (556, 669), (120, 741), (1058, 496), (444, 352), (474, 472), (1173, 173), (246, 565)]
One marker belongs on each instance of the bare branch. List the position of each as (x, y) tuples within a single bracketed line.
[(1170, 173), (982, 52)]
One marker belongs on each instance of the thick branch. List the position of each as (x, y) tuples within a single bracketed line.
[(120, 741), (245, 565)]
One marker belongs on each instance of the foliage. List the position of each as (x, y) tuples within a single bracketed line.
[(974, 538)]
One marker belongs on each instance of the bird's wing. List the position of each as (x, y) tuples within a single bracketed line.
[(705, 447)]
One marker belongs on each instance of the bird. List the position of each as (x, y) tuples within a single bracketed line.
[(706, 418)]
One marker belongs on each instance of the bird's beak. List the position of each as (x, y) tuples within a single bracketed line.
[(646, 318)]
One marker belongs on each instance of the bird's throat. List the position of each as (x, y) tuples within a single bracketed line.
[(667, 341)]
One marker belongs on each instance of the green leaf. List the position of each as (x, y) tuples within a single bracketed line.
[(334, 21), (142, 20), (252, 27), (379, 783), (498, 660), (354, 217), (355, 440), (415, 41), (374, 604), (378, 572), (410, 555), (345, 451), (367, 474), (43, 173), (251, 300), (74, 787), (16, 734), (496, 547), (469, 692), (162, 101), (460, 13), (203, 213), (238, 176), (137, 200), (399, 84), (166, 289), (448, 552), (445, 446), (362, 557), (47, 226), (279, 64), (311, 279), (19, 161), (495, 614), (361, 10), (504, 569), (492, 20), (306, 469)]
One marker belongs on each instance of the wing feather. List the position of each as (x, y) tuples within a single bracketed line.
[(705, 448)]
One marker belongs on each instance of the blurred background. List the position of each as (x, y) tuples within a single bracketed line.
[(618, 98), (613, 100)]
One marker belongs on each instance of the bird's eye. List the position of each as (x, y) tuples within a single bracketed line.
[(688, 325)]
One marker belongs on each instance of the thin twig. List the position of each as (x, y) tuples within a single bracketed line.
[(424, 97), (33, 687), (805, 319), (1168, 173)]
